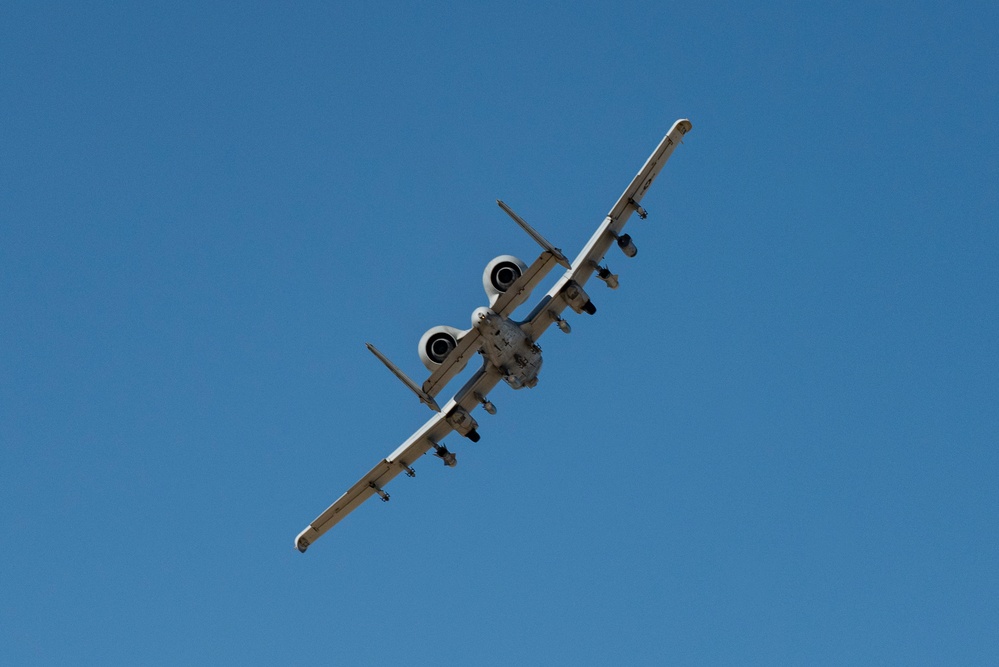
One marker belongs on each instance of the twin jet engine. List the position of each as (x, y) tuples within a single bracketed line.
[(499, 276)]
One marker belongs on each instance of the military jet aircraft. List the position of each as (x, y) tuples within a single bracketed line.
[(508, 348)]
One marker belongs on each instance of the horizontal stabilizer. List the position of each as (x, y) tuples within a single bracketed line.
[(424, 397), (541, 240)]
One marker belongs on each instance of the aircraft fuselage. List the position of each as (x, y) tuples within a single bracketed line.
[(507, 347)]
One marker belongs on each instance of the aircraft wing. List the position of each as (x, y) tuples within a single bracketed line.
[(555, 301), (504, 305), (401, 460)]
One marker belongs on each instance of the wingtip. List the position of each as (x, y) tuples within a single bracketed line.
[(302, 542)]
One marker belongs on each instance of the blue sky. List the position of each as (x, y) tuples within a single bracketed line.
[(775, 443)]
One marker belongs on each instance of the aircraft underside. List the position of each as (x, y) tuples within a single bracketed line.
[(508, 348)]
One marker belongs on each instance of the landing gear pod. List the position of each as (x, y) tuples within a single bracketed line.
[(578, 299), (463, 423)]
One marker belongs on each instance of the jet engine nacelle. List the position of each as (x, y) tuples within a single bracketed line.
[(437, 343), (500, 275)]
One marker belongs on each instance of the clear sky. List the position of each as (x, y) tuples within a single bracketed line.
[(776, 443)]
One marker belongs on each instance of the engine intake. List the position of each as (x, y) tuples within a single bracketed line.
[(500, 275), (437, 343)]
